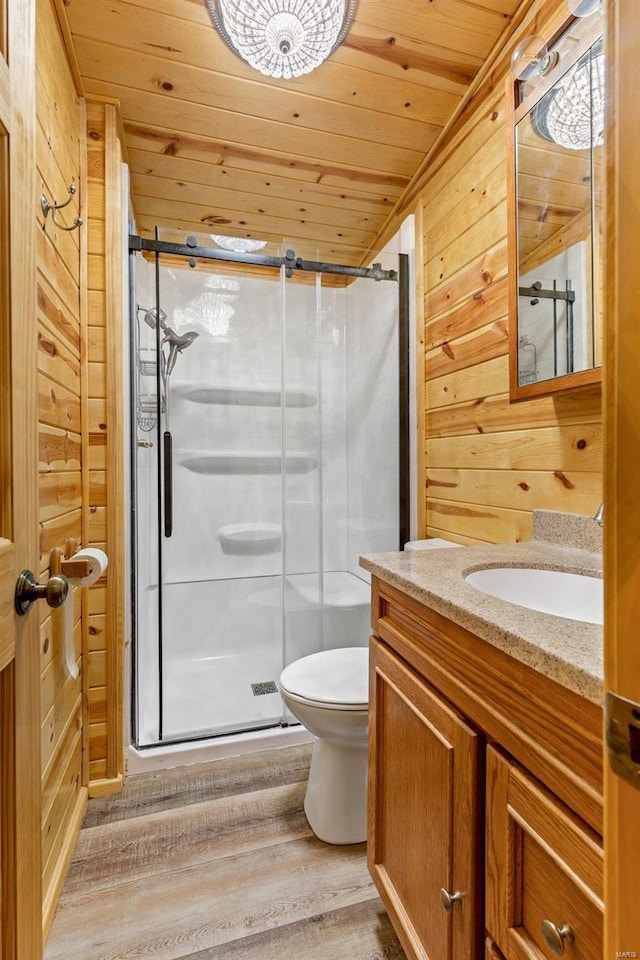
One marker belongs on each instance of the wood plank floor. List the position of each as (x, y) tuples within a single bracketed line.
[(216, 861)]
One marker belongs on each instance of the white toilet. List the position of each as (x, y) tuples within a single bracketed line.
[(328, 692)]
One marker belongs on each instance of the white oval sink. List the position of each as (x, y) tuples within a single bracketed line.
[(570, 595)]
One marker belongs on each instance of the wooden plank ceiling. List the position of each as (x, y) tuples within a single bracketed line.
[(317, 163)]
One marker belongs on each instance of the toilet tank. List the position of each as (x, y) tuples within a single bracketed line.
[(339, 599), (346, 611), (346, 620), (435, 543)]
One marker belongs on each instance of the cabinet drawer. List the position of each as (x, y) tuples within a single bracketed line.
[(544, 869)]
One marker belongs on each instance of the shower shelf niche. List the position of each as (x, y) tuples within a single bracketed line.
[(244, 396), (249, 539), (232, 462)]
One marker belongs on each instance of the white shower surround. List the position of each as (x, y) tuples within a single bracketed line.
[(353, 438)]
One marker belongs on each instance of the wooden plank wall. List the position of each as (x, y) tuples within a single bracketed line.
[(60, 351), (105, 448), (489, 463)]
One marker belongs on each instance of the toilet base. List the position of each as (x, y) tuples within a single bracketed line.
[(335, 803)]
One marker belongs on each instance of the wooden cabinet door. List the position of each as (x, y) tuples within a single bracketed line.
[(423, 813), (544, 867), (20, 916), (491, 952)]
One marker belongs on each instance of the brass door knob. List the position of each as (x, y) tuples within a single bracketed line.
[(556, 937), (28, 590), (449, 899)]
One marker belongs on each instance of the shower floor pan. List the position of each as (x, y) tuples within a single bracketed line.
[(216, 695), (222, 639)]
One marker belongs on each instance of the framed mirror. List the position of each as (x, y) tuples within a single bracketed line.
[(555, 199)]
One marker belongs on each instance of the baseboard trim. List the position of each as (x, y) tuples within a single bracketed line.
[(105, 788), (50, 900)]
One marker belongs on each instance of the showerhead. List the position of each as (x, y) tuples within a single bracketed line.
[(151, 318), (177, 343), (179, 340)]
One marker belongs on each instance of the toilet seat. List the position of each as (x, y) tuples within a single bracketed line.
[(328, 693), (337, 679)]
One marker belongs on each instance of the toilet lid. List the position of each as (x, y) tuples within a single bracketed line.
[(331, 676)]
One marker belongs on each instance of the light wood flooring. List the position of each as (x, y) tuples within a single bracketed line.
[(216, 861)]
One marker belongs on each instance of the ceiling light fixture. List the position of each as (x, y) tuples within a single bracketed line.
[(283, 38), (215, 282), (572, 113), (238, 244)]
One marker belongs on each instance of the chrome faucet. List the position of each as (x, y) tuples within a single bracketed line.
[(599, 515)]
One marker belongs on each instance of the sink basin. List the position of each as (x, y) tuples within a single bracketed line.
[(570, 595)]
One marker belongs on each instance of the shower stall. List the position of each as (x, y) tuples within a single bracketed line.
[(266, 457)]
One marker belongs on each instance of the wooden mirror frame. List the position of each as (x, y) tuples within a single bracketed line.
[(515, 111)]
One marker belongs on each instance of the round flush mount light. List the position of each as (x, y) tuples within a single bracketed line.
[(283, 38), (238, 244)]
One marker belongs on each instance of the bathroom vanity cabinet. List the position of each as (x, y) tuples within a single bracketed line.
[(485, 797)]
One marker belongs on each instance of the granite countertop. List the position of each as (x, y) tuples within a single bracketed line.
[(568, 651)]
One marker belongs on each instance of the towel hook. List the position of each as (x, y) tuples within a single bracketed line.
[(52, 207)]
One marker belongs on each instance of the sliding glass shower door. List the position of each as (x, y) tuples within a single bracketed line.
[(266, 455), (234, 472)]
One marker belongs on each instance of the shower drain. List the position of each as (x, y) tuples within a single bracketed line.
[(267, 686)]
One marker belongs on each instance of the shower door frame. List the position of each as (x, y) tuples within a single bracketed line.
[(291, 264)]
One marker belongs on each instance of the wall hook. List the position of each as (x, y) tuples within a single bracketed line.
[(52, 207)]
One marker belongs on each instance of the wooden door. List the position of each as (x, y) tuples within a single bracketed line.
[(20, 917), (622, 463), (423, 813)]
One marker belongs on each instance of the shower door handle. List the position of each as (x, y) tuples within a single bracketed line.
[(167, 461)]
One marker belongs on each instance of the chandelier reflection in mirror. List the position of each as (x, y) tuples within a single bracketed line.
[(572, 113), (283, 38), (210, 311)]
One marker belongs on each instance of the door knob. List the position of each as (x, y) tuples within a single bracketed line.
[(449, 899), (28, 590)]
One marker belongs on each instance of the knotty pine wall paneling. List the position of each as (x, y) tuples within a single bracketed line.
[(489, 463), (105, 500), (59, 147)]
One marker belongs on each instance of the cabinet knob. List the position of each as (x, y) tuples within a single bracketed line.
[(449, 899), (556, 937)]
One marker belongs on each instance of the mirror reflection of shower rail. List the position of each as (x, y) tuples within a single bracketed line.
[(534, 294)]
